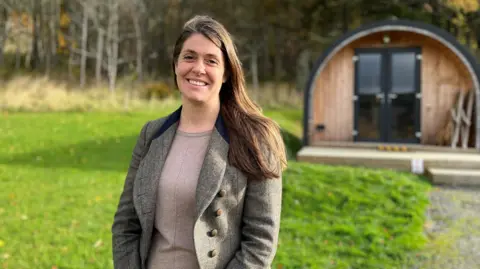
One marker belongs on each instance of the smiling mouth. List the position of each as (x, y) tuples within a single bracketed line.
[(196, 82)]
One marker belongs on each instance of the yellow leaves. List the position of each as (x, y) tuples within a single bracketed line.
[(428, 225), (64, 20), (98, 243), (98, 198), (2, 243), (463, 5)]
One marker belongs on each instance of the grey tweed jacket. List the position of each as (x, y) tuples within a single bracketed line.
[(237, 221)]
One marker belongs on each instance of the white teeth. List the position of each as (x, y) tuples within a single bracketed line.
[(197, 83)]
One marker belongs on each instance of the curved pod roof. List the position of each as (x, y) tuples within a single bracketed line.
[(425, 29)]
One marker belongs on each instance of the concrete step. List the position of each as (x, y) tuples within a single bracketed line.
[(385, 159), (454, 177)]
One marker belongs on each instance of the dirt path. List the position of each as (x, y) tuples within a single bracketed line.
[(454, 228)]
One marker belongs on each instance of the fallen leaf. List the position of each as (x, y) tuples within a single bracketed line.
[(98, 243), (428, 224)]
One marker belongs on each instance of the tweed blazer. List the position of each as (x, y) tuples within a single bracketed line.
[(237, 220)]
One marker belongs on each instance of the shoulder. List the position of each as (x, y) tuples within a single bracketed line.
[(151, 127)]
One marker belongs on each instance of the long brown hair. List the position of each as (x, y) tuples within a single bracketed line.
[(256, 145)]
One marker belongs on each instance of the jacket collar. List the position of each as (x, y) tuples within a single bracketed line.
[(174, 117)]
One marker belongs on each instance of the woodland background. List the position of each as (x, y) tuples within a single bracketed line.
[(107, 42)]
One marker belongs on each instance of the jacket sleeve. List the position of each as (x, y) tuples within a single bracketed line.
[(126, 229), (260, 225)]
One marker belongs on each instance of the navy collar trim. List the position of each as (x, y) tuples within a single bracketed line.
[(175, 117)]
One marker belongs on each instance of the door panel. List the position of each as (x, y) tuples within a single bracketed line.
[(369, 96), (402, 105), (387, 87)]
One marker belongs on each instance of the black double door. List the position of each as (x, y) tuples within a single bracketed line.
[(387, 95)]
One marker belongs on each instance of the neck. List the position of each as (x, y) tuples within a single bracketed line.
[(198, 118)]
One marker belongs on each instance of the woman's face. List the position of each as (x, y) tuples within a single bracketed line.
[(200, 71)]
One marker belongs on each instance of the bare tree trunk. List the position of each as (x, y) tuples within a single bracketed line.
[(254, 67), (71, 53), (18, 57), (52, 26), (278, 60), (3, 30), (33, 59), (98, 68), (112, 47), (303, 69), (83, 61), (139, 42)]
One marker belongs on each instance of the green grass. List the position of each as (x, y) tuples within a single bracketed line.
[(61, 175), (344, 217)]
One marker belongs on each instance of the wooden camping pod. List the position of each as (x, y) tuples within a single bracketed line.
[(392, 81)]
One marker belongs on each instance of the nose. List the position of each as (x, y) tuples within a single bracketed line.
[(198, 67)]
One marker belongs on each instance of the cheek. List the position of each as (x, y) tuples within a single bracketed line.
[(181, 70)]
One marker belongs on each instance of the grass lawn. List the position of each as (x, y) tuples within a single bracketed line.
[(61, 175)]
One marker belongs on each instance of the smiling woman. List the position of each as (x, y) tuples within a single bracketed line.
[(204, 186), (200, 71)]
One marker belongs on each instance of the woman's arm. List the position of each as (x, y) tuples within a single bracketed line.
[(261, 225), (126, 227)]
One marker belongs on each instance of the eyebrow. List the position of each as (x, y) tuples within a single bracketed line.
[(194, 52)]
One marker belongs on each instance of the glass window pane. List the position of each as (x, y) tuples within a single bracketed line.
[(402, 123), (368, 117), (369, 70), (403, 72)]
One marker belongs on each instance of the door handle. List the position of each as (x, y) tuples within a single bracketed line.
[(380, 97), (392, 96)]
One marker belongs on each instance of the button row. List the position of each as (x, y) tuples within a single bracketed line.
[(214, 232)]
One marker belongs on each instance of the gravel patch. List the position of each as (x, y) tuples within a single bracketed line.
[(453, 227)]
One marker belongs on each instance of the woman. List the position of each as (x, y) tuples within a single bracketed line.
[(204, 187)]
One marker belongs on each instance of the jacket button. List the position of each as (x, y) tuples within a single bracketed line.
[(212, 253), (213, 233), (218, 212), (222, 193)]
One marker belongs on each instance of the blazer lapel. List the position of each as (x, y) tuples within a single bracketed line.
[(212, 171), (155, 159)]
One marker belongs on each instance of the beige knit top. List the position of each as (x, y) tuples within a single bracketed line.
[(172, 241)]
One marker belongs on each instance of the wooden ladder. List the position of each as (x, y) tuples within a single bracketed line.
[(462, 119)]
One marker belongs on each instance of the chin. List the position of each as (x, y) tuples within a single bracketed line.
[(191, 98)]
